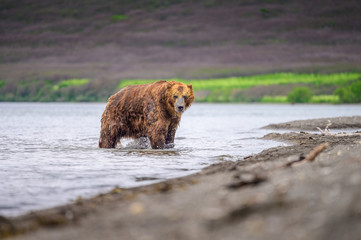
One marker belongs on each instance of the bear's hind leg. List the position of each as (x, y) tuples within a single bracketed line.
[(157, 142), (157, 136)]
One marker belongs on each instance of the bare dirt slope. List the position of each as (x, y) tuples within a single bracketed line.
[(276, 194), (165, 39)]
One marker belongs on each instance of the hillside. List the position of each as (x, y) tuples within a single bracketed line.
[(44, 43)]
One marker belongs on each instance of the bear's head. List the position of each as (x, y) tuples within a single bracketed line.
[(179, 96)]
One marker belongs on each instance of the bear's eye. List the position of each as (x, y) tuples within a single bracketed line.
[(175, 97), (185, 97)]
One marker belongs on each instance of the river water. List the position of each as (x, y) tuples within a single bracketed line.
[(49, 154)]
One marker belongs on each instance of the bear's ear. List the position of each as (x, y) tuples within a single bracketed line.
[(169, 85), (190, 86)]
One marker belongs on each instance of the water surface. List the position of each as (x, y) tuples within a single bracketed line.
[(49, 154)]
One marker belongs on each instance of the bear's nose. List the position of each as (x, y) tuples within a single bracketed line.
[(180, 108)]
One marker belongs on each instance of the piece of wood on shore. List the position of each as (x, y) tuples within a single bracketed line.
[(311, 156)]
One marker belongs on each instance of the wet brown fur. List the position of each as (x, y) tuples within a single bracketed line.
[(147, 110)]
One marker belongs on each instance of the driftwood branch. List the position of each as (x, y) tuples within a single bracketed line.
[(326, 131), (317, 150), (311, 156)]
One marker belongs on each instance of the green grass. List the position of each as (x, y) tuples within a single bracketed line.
[(245, 82), (70, 82), (222, 89), (119, 17), (2, 83), (325, 99), (274, 99)]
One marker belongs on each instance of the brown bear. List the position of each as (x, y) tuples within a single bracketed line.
[(150, 110)]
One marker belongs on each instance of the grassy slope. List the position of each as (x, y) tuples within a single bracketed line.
[(44, 43), (225, 89)]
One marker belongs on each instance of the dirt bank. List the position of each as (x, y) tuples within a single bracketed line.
[(280, 193), (311, 125), (46, 42)]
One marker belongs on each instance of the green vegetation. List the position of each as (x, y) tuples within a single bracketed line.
[(350, 93), (233, 89), (2, 83), (245, 82), (119, 17), (70, 82), (325, 99), (274, 99), (300, 95), (267, 88), (265, 12), (224, 95), (47, 90)]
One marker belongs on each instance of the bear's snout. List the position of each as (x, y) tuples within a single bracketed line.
[(180, 109)]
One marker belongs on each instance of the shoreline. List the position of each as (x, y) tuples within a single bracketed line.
[(257, 197)]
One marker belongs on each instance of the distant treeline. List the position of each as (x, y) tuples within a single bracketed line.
[(277, 87), (55, 90)]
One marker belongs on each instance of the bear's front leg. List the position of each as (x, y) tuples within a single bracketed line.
[(157, 136), (169, 140)]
